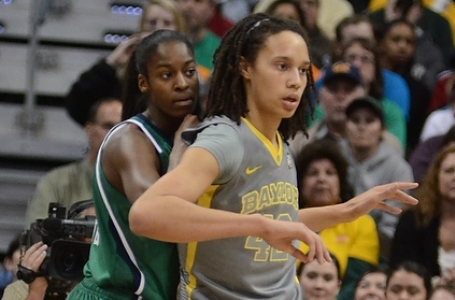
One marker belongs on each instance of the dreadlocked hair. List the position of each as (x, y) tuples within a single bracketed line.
[(227, 90), (134, 101)]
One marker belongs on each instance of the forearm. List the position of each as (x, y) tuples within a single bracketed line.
[(319, 218), (157, 219)]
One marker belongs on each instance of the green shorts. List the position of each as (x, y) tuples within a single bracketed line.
[(87, 289)]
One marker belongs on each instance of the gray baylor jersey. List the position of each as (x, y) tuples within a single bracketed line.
[(255, 177)]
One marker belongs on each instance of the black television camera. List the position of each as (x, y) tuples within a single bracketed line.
[(68, 243)]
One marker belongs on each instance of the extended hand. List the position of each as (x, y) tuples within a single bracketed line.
[(374, 198)]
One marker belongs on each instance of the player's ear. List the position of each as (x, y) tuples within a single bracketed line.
[(142, 83), (245, 68)]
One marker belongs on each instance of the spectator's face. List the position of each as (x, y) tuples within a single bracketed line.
[(404, 285), (310, 10), (363, 59), (398, 44), (336, 95), (447, 177), (363, 129), (286, 11), (109, 114), (371, 286), (319, 281), (321, 184), (158, 17), (359, 30), (197, 13)]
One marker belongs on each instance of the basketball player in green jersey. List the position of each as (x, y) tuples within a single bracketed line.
[(241, 175), (161, 90)]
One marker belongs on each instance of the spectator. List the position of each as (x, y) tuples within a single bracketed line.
[(371, 285), (341, 84), (371, 161), (398, 48), (73, 182), (426, 233), (320, 281), (322, 180), (393, 86), (198, 14), (103, 80), (409, 280), (431, 25)]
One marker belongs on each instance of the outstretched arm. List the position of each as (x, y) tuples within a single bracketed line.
[(318, 218), (167, 211)]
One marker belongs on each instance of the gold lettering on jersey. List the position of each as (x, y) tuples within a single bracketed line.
[(272, 194)]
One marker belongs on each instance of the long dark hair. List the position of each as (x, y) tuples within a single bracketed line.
[(227, 91), (133, 100)]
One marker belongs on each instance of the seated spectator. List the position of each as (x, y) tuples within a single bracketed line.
[(371, 161), (322, 180), (73, 182), (393, 86), (103, 79), (432, 26), (409, 280), (371, 286), (426, 232), (320, 281), (340, 85), (441, 120), (443, 292), (424, 153), (398, 46)]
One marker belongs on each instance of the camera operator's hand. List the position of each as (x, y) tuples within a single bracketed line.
[(33, 258)]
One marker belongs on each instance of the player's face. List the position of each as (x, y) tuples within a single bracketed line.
[(371, 286), (404, 285), (321, 184), (277, 79), (172, 83), (319, 281), (447, 177)]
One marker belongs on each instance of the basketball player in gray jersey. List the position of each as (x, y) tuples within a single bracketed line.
[(240, 237)]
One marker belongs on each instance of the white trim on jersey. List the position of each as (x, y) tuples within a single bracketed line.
[(120, 233)]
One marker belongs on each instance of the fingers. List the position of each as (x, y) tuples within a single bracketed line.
[(34, 256), (405, 185), (389, 208)]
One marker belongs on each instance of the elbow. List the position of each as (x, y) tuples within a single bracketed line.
[(136, 221)]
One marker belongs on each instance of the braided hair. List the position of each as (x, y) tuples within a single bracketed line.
[(227, 94)]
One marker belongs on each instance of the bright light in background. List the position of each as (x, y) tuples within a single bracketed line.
[(124, 9)]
